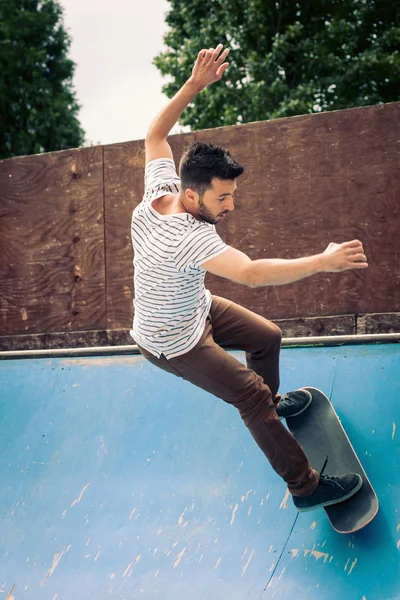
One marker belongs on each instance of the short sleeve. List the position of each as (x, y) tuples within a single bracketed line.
[(160, 178), (201, 244)]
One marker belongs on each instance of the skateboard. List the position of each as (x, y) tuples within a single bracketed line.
[(321, 435)]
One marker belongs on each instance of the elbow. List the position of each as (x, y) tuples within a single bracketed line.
[(149, 137), (248, 276), (153, 136), (253, 284)]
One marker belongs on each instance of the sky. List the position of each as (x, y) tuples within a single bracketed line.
[(113, 43)]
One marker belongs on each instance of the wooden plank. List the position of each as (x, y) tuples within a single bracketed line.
[(317, 326), (299, 327), (378, 323), (66, 339), (123, 190), (52, 275)]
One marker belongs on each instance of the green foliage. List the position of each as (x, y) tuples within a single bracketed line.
[(37, 105), (286, 57)]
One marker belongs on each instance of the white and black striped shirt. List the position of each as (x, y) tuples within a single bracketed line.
[(171, 303)]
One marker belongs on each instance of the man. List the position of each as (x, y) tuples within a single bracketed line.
[(180, 327)]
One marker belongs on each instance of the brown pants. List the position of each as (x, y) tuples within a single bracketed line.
[(252, 389)]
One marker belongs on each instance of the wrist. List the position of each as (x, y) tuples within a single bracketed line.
[(194, 85), (320, 263)]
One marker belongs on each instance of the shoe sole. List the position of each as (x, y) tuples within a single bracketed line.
[(332, 502), (303, 409)]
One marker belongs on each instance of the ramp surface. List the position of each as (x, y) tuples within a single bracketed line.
[(121, 481)]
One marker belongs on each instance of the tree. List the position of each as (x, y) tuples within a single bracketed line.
[(37, 105), (287, 57)]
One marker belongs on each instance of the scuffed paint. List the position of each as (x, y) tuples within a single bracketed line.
[(283, 504), (129, 569), (180, 520), (179, 558), (56, 561), (79, 498), (247, 564), (234, 513), (245, 497), (217, 563), (353, 564), (9, 595), (317, 554), (102, 449), (282, 572)]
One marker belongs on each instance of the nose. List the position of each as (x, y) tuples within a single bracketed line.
[(230, 204)]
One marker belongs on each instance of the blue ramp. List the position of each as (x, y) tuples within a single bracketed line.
[(121, 481)]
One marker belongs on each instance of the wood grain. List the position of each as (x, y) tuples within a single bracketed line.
[(65, 247), (123, 191), (52, 242)]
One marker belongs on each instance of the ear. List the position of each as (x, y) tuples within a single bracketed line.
[(191, 196)]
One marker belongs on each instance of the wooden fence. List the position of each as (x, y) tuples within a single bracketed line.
[(66, 273)]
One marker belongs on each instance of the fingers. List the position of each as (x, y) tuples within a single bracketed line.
[(206, 55), (219, 57), (352, 244), (354, 247), (359, 257), (222, 69), (214, 55), (223, 56), (359, 265)]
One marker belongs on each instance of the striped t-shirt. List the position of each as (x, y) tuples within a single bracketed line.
[(171, 303)]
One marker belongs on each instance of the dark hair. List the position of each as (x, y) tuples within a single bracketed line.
[(203, 161)]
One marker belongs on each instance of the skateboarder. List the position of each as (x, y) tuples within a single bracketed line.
[(181, 328)]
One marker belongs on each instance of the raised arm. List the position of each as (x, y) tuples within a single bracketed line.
[(237, 266), (208, 68)]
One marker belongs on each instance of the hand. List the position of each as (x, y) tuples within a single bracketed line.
[(342, 257), (209, 66)]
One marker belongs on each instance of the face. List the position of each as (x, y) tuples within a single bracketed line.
[(216, 202)]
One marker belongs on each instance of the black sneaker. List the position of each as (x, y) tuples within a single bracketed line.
[(330, 490), (293, 403)]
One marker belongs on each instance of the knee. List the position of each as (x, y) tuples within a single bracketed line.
[(276, 333), (268, 337)]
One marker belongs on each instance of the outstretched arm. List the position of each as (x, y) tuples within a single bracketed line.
[(208, 68), (237, 266)]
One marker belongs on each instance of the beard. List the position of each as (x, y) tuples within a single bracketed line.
[(205, 215)]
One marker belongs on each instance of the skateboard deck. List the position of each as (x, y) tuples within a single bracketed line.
[(320, 433)]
